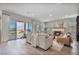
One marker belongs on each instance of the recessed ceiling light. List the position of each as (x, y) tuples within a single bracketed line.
[(32, 14), (50, 14)]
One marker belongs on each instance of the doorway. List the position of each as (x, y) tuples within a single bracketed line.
[(77, 28)]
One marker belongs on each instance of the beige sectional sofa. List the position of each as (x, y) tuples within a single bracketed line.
[(41, 40)]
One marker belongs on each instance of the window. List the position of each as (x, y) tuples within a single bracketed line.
[(29, 26), (12, 29), (20, 30)]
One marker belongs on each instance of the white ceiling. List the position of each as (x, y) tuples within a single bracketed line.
[(43, 12)]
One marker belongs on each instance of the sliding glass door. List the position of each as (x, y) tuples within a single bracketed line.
[(20, 30), (12, 29), (28, 32), (28, 27)]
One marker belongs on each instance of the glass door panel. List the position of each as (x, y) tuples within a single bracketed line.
[(20, 30), (12, 29)]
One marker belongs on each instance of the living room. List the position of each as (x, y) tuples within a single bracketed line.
[(47, 26)]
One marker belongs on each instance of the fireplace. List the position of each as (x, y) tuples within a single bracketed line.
[(57, 31)]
